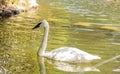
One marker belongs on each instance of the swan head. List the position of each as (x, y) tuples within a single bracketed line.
[(42, 23)]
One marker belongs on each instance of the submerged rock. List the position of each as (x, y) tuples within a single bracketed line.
[(15, 12), (8, 12), (0, 15)]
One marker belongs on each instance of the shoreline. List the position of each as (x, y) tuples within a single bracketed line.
[(14, 8)]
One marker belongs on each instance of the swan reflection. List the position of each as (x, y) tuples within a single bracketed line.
[(66, 67), (117, 70), (41, 65), (72, 67)]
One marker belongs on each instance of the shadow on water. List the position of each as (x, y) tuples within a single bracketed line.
[(88, 25)]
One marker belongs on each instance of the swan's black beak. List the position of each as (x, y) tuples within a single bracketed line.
[(38, 25)]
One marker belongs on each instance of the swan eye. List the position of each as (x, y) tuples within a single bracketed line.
[(38, 25)]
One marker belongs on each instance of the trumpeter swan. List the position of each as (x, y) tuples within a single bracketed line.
[(66, 54)]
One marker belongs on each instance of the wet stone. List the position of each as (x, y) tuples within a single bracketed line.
[(8, 12), (15, 12)]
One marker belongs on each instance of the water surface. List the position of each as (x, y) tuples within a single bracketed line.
[(92, 26)]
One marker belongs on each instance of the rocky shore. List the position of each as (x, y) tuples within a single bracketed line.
[(5, 13), (13, 8)]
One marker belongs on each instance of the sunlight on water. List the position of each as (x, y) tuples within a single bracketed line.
[(92, 26)]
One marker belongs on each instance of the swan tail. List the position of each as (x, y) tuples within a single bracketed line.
[(96, 57), (93, 57)]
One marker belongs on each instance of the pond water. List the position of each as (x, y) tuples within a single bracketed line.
[(90, 25)]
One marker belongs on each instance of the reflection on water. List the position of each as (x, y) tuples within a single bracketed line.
[(73, 67), (66, 67), (19, 43), (42, 65), (117, 70)]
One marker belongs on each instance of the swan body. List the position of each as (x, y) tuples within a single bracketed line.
[(66, 54), (70, 54)]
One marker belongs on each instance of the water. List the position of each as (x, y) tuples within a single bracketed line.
[(92, 26)]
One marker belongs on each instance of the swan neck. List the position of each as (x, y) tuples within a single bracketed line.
[(43, 46)]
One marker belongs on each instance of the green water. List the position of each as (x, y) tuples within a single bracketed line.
[(19, 43)]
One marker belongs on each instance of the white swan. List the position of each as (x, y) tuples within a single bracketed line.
[(66, 54)]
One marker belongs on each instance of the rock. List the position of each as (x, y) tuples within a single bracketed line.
[(13, 8), (0, 15), (8, 13), (15, 12)]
